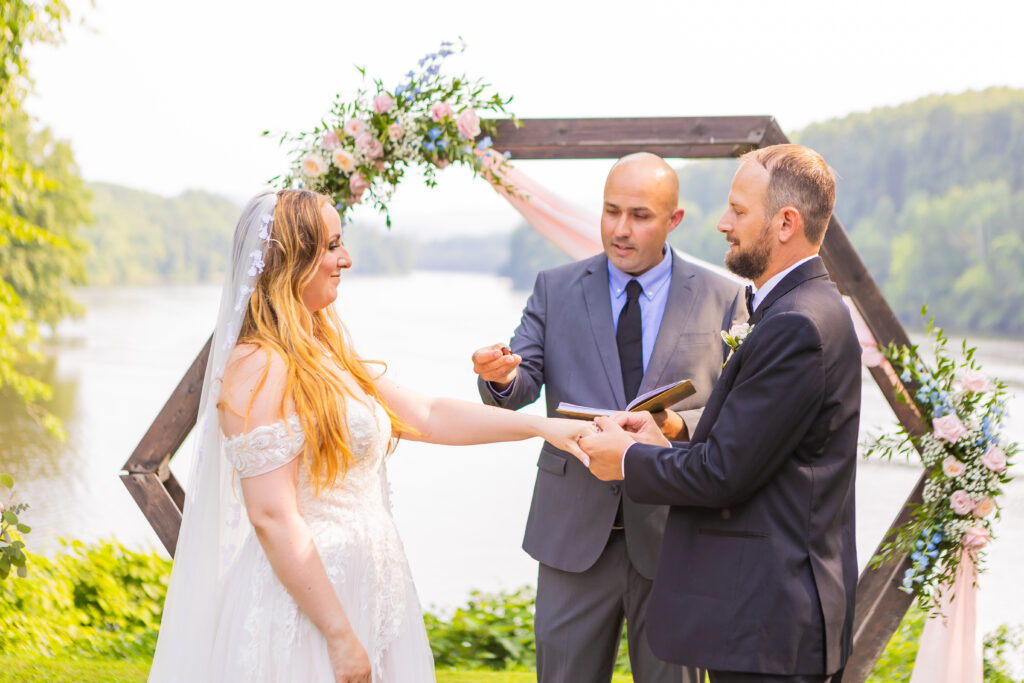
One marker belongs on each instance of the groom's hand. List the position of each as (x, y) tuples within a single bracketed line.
[(495, 364), (605, 448), (645, 427)]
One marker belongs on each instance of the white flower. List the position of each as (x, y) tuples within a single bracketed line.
[(344, 160), (952, 467), (264, 233), (313, 165)]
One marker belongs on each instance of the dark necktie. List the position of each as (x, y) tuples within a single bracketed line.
[(750, 301), (630, 339)]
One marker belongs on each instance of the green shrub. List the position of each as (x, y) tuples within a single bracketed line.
[(99, 600)]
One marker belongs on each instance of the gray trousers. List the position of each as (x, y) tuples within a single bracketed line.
[(579, 619)]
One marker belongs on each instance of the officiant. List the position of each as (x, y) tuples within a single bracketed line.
[(598, 332)]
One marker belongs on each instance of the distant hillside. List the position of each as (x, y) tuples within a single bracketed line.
[(932, 194), (143, 238)]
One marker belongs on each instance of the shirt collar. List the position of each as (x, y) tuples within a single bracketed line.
[(767, 287), (652, 281)]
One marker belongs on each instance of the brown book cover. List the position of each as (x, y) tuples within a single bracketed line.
[(653, 401)]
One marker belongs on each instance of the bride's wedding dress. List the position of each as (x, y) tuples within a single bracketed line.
[(261, 634)]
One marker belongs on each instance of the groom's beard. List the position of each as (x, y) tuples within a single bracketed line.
[(751, 261)]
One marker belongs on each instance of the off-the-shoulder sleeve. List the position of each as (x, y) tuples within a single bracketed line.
[(265, 448)]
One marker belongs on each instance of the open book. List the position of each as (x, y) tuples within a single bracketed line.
[(653, 401)]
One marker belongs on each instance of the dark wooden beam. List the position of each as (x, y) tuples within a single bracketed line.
[(174, 421), (156, 503), (676, 137)]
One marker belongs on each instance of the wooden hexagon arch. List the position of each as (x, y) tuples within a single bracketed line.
[(880, 603)]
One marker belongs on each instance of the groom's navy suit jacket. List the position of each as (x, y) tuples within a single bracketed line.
[(567, 341), (758, 565)]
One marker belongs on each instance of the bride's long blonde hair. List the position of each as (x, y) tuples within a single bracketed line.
[(278, 320)]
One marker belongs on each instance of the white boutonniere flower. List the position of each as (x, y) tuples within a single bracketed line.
[(736, 335)]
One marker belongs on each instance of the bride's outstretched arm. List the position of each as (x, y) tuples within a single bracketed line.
[(460, 423), (272, 507)]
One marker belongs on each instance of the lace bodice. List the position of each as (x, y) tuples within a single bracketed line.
[(351, 522)]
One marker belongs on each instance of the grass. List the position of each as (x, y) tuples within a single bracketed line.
[(14, 670)]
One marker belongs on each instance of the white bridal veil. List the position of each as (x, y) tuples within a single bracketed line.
[(213, 525)]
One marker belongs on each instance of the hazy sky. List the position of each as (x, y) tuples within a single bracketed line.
[(165, 96)]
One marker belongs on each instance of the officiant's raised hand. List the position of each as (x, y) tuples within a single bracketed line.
[(496, 364)]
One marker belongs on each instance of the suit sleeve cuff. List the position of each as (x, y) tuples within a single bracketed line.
[(624, 459), (502, 393)]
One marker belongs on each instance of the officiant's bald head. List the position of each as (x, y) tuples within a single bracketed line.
[(641, 207)]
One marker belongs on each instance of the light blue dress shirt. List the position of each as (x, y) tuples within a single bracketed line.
[(655, 283)]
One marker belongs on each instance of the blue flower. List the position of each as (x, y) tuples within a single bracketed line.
[(434, 133), (410, 75), (399, 90), (441, 144), (486, 143), (937, 536), (433, 69), (905, 376), (917, 556), (429, 146), (507, 154), (340, 206), (423, 60)]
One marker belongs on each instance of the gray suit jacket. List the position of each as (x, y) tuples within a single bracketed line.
[(567, 341)]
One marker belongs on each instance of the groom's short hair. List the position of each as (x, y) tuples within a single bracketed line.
[(798, 176)]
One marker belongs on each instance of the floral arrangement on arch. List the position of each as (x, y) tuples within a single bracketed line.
[(966, 458), (365, 145)]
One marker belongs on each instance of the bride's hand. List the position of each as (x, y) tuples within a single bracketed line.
[(566, 434), (348, 660)]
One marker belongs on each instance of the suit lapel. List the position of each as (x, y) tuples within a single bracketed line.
[(812, 269), (599, 312), (678, 306)]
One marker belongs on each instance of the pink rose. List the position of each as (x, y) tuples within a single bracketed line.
[(468, 123), (395, 132), (375, 150), (440, 110), (382, 103), (330, 141), (961, 502), (984, 507), (952, 467), (974, 381), (975, 537), (355, 127), (358, 184), (871, 357), (370, 146), (948, 427), (994, 459)]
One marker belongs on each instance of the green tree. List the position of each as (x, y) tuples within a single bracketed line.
[(41, 203)]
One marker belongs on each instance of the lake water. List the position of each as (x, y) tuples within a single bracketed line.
[(461, 510)]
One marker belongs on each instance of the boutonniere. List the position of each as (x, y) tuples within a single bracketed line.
[(736, 335)]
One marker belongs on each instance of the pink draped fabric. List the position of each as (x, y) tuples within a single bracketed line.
[(950, 648), (571, 229)]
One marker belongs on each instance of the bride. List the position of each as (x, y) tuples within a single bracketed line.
[(293, 429)]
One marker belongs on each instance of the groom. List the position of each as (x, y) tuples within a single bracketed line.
[(758, 566)]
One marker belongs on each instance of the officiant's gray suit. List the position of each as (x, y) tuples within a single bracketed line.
[(567, 343)]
